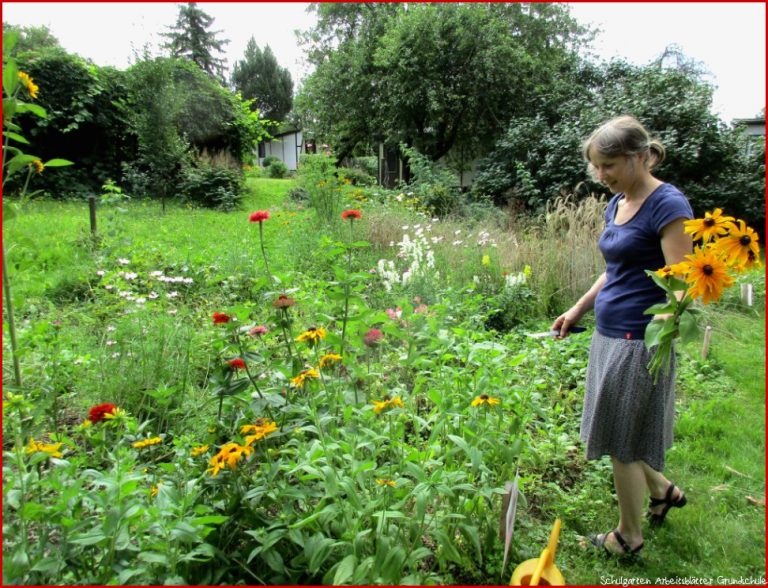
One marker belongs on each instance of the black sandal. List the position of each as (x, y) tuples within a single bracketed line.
[(599, 541), (668, 502)]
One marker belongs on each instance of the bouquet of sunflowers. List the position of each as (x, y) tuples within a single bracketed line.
[(724, 247)]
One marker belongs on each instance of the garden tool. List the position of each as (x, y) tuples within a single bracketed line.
[(541, 571), (555, 332)]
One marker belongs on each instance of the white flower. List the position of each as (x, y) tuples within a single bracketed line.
[(100, 273), (141, 300), (108, 286), (156, 274), (153, 295), (405, 227), (130, 276), (173, 311), (188, 280), (111, 343), (457, 232), (173, 294), (123, 261), (115, 355), (111, 328), (456, 243)]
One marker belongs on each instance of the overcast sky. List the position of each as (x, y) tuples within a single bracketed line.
[(728, 38)]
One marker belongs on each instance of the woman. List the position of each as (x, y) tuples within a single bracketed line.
[(626, 415)]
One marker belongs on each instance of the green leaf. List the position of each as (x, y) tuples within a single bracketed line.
[(345, 570), (665, 308), (460, 442), (10, 39), (689, 327), (210, 520), (90, 538), (58, 163), (16, 137), (653, 332), (33, 108), (10, 75), (19, 161)]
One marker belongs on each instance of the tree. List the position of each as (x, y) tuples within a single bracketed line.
[(32, 39), (436, 77), (259, 77), (190, 38)]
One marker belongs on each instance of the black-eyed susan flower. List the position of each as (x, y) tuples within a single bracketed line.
[(313, 335), (199, 450), (38, 165), (380, 406), (259, 430), (385, 482), (708, 275), (485, 399), (710, 227), (328, 360), (676, 269), (147, 442), (229, 455), (298, 381), (52, 449), (31, 87), (740, 246)]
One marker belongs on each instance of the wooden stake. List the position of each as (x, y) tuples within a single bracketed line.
[(707, 339), (92, 208)]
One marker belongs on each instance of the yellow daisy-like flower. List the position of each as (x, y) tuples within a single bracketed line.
[(740, 246), (312, 335), (259, 431), (385, 482), (52, 449), (147, 442), (115, 414), (32, 88), (153, 490), (298, 381), (676, 269), (38, 165), (199, 450), (328, 359), (708, 275), (380, 406), (710, 227), (228, 455), (485, 399)]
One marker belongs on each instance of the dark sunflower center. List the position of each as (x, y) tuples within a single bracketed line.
[(710, 222), (708, 270), (484, 397), (745, 240)]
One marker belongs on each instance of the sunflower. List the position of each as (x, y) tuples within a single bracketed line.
[(385, 482), (199, 450), (380, 406), (710, 227), (485, 399), (52, 449), (708, 275), (740, 246), (147, 442)]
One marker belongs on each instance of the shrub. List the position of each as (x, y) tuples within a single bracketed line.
[(277, 169), (214, 181), (268, 160), (356, 177)]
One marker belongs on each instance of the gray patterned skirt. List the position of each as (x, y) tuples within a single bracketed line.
[(626, 415)]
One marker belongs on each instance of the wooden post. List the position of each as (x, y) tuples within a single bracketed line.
[(707, 339), (746, 294), (92, 208)]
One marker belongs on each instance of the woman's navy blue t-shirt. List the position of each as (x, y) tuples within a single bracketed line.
[(629, 249)]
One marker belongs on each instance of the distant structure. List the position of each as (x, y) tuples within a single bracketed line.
[(754, 129)]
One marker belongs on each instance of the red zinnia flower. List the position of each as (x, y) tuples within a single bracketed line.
[(236, 364), (351, 214), (220, 317), (99, 412), (259, 216), (372, 337)]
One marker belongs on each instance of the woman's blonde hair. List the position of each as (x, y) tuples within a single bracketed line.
[(624, 135)]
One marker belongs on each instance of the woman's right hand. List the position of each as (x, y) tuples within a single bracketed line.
[(565, 321)]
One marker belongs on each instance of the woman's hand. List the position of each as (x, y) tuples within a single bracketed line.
[(565, 321)]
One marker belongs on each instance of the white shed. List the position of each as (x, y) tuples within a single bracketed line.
[(287, 145)]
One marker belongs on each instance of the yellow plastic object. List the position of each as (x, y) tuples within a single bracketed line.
[(541, 571)]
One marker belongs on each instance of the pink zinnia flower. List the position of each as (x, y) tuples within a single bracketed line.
[(220, 318), (351, 214), (258, 331), (236, 364), (259, 216), (395, 314), (373, 337)]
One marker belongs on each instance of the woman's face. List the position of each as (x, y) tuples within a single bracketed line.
[(618, 172)]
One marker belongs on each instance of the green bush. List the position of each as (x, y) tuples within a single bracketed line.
[(269, 160), (213, 185), (277, 169), (356, 176)]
